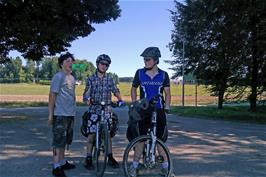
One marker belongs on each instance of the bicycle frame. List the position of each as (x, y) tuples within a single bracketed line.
[(151, 162), (102, 138), (101, 122)]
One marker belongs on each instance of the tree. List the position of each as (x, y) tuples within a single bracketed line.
[(30, 71), (83, 69), (115, 77), (256, 25), (217, 42), (125, 79), (41, 28), (12, 71), (49, 67)]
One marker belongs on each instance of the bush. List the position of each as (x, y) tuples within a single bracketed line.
[(45, 82)]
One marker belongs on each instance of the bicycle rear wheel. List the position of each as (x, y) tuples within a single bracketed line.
[(148, 165), (102, 151)]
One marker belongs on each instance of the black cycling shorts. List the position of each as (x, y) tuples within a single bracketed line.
[(145, 123)]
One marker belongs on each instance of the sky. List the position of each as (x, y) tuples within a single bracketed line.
[(143, 23)]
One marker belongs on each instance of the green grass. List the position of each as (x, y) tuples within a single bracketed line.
[(232, 113), (24, 89), (37, 89), (235, 113), (28, 104), (22, 104)]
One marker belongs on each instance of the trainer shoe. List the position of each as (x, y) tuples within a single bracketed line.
[(88, 163), (112, 162), (132, 171), (68, 166), (164, 172), (160, 159), (59, 172)]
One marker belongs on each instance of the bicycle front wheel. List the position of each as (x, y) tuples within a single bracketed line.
[(153, 160), (102, 151)]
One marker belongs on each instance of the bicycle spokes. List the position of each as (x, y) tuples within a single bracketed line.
[(101, 152), (154, 158)]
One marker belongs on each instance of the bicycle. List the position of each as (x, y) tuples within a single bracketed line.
[(102, 135), (154, 152)]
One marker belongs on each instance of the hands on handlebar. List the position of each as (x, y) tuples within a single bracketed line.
[(121, 103), (154, 101)]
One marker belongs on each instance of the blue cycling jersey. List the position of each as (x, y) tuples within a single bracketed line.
[(150, 87)]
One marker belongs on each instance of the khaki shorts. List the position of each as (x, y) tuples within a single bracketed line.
[(62, 131)]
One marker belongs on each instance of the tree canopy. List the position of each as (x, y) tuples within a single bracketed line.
[(224, 44), (42, 71), (41, 28)]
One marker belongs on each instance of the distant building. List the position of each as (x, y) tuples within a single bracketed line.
[(177, 81)]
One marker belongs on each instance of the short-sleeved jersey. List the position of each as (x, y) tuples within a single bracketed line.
[(64, 87), (150, 87), (100, 89)]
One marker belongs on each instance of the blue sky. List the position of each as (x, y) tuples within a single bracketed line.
[(143, 23)]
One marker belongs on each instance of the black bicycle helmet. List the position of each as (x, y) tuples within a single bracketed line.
[(153, 52), (103, 57)]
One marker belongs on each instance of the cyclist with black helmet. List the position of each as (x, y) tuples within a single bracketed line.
[(152, 81), (99, 87)]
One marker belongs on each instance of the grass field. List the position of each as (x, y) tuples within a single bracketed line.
[(37, 92), (232, 113), (21, 95), (36, 89)]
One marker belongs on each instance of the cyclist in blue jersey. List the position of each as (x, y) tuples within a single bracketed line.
[(152, 81)]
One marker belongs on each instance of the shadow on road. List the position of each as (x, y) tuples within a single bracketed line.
[(199, 147)]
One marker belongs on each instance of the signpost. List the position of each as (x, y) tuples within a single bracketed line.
[(79, 67)]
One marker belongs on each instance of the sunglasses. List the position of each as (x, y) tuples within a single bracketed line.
[(147, 59), (106, 64)]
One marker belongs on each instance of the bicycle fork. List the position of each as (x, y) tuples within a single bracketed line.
[(97, 136), (150, 154), (150, 151)]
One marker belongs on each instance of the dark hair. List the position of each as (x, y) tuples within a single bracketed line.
[(63, 57)]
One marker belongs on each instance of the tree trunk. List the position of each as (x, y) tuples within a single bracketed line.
[(37, 71), (254, 65), (254, 81), (220, 99)]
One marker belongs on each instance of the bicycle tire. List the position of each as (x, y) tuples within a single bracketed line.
[(129, 151), (102, 151)]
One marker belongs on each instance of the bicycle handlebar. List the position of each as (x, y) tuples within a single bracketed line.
[(103, 104), (155, 99)]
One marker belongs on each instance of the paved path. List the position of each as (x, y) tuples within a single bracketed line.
[(199, 147)]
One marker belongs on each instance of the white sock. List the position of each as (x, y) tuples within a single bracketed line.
[(135, 164), (62, 162), (165, 165), (57, 165)]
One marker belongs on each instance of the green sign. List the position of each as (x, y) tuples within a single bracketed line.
[(78, 67)]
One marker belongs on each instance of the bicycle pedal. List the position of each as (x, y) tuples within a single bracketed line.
[(102, 149), (160, 159)]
